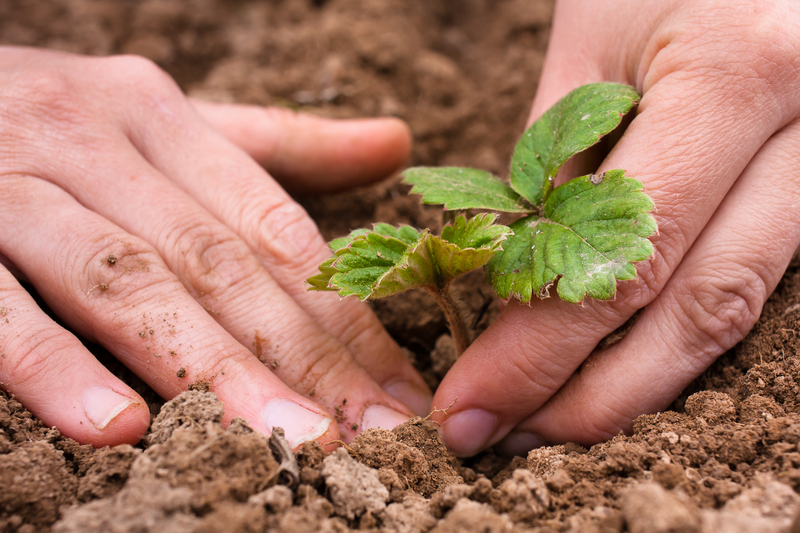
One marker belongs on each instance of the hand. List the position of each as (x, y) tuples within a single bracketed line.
[(716, 142), (149, 232)]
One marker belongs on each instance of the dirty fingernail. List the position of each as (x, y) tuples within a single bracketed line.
[(519, 443), (102, 405), (299, 424), (468, 432), (417, 399), (380, 416)]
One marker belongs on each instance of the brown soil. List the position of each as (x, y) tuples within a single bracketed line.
[(462, 74)]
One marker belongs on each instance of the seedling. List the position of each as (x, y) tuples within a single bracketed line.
[(582, 236)]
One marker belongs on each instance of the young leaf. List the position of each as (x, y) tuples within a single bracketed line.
[(466, 245), (388, 260), (464, 188), (592, 231), (575, 123)]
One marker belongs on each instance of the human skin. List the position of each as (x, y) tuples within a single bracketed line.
[(146, 229), (716, 143)]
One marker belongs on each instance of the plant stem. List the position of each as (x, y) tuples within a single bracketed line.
[(455, 319)]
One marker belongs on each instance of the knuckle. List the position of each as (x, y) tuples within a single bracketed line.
[(320, 367), (117, 268), (361, 328), (652, 276), (278, 117), (285, 233), (749, 60), (41, 93), (722, 309), (217, 366), (153, 86), (36, 362), (138, 69), (215, 262), (535, 367)]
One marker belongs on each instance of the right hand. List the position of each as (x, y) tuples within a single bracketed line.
[(148, 231)]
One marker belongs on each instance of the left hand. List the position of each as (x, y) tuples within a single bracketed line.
[(716, 142)]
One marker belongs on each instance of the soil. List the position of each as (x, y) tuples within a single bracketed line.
[(724, 458)]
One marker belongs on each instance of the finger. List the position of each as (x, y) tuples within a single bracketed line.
[(711, 302), (279, 232), (309, 154), (687, 166), (222, 274), (12, 268), (58, 380), (113, 288)]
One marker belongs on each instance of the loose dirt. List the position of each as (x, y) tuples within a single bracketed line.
[(725, 458)]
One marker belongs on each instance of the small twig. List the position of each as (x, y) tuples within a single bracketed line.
[(435, 410), (344, 445), (102, 286)]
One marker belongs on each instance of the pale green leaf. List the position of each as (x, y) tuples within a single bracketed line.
[(376, 263), (464, 188), (575, 123), (592, 231)]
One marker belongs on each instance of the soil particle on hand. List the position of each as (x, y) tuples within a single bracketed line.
[(201, 385), (354, 488)]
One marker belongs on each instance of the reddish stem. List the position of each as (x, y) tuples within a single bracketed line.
[(455, 318)]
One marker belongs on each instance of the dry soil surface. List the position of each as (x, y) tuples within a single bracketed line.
[(463, 74)]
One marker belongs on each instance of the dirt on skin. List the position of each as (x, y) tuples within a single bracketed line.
[(463, 74)]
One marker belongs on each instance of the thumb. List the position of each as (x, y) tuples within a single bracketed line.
[(573, 60)]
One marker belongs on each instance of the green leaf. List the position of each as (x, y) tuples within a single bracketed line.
[(575, 123), (464, 188), (467, 244), (388, 260), (592, 230)]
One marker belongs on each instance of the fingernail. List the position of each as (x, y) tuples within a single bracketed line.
[(102, 405), (417, 399), (468, 432), (380, 416), (299, 424), (519, 443)]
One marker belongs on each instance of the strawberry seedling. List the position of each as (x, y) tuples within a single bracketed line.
[(582, 236)]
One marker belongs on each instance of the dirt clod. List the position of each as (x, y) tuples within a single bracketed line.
[(191, 408), (355, 489), (648, 508), (416, 453)]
